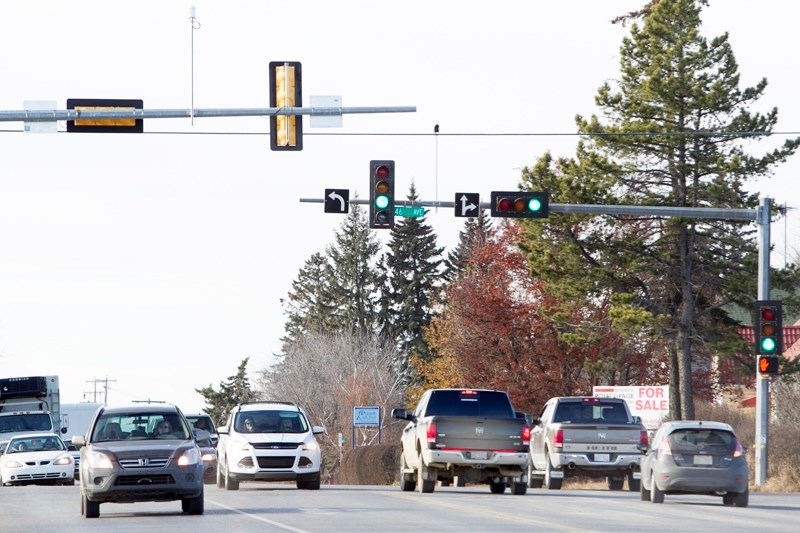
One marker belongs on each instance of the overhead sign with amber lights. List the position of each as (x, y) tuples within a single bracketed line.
[(94, 124)]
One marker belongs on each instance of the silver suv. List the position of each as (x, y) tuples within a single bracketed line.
[(140, 453), (268, 441)]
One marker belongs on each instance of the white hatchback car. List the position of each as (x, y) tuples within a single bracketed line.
[(268, 441), (37, 458)]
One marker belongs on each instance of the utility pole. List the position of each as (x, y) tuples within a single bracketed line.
[(105, 383)]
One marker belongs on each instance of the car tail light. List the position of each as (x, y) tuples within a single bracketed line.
[(558, 439), (526, 436), (431, 435), (664, 448), (739, 451), (643, 440)]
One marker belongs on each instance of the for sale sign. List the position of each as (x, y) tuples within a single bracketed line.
[(651, 403)]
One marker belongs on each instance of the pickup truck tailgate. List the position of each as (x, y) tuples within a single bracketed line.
[(478, 434), (593, 438)]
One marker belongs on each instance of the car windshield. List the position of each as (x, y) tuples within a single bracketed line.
[(35, 444), (138, 426), (702, 440), (270, 422)]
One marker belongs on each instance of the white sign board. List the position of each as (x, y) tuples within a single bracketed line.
[(650, 403), (366, 416)]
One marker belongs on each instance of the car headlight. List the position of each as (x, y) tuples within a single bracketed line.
[(310, 446), (65, 460), (189, 457), (12, 464), (209, 457), (100, 460)]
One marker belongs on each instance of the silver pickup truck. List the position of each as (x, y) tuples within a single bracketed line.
[(586, 436), (464, 436)]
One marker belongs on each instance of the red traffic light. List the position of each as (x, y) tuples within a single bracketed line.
[(382, 172), (767, 313)]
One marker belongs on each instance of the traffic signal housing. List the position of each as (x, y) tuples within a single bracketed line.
[(520, 204), (381, 194), (285, 90), (769, 328)]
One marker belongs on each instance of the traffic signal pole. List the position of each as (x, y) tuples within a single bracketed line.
[(762, 380)]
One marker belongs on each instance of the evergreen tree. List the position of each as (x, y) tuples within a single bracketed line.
[(475, 233), (412, 267), (351, 285), (306, 308), (675, 136), (231, 393)]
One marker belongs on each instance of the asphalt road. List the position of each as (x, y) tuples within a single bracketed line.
[(353, 509)]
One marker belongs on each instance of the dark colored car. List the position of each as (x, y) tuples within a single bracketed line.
[(208, 453), (140, 453), (695, 457), (204, 422)]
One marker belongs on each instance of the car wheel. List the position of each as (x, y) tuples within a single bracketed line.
[(550, 482), (741, 499), (534, 482), (220, 479), (445, 483), (656, 495), (460, 481), (643, 492), (424, 485), (497, 487), (230, 483), (312, 482), (194, 505), (407, 483), (633, 483), (615, 483), (90, 509), (519, 489)]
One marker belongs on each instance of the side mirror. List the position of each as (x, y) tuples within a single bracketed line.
[(402, 414), (78, 440), (64, 431), (222, 431), (317, 430)]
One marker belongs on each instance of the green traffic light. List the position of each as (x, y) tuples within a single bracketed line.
[(768, 344), (382, 201), (534, 205)]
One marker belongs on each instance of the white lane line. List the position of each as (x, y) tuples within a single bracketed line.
[(259, 518)]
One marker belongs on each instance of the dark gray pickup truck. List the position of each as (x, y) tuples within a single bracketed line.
[(464, 436)]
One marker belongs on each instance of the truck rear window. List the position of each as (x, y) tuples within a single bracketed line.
[(487, 404), (591, 412)]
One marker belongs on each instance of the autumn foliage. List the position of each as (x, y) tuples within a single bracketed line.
[(501, 329)]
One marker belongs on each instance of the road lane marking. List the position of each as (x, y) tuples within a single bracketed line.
[(259, 518)]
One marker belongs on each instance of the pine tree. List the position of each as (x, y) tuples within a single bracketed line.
[(351, 286), (306, 307), (413, 268), (677, 124), (231, 393), (475, 233)]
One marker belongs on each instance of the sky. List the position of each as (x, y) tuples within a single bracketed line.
[(144, 266)]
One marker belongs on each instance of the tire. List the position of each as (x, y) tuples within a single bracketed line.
[(230, 483), (741, 499), (90, 509), (445, 483), (311, 483), (497, 487), (656, 495), (643, 492), (425, 486), (519, 489), (615, 483), (534, 482), (549, 482), (220, 479), (460, 481), (193, 505), (634, 485), (406, 484)]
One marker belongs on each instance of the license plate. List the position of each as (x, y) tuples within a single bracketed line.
[(480, 456), (602, 457), (703, 459)]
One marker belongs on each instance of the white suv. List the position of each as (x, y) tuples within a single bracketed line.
[(268, 441)]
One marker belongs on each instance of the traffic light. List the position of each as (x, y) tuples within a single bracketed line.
[(769, 328), (767, 364), (285, 90), (381, 194), (520, 204)]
